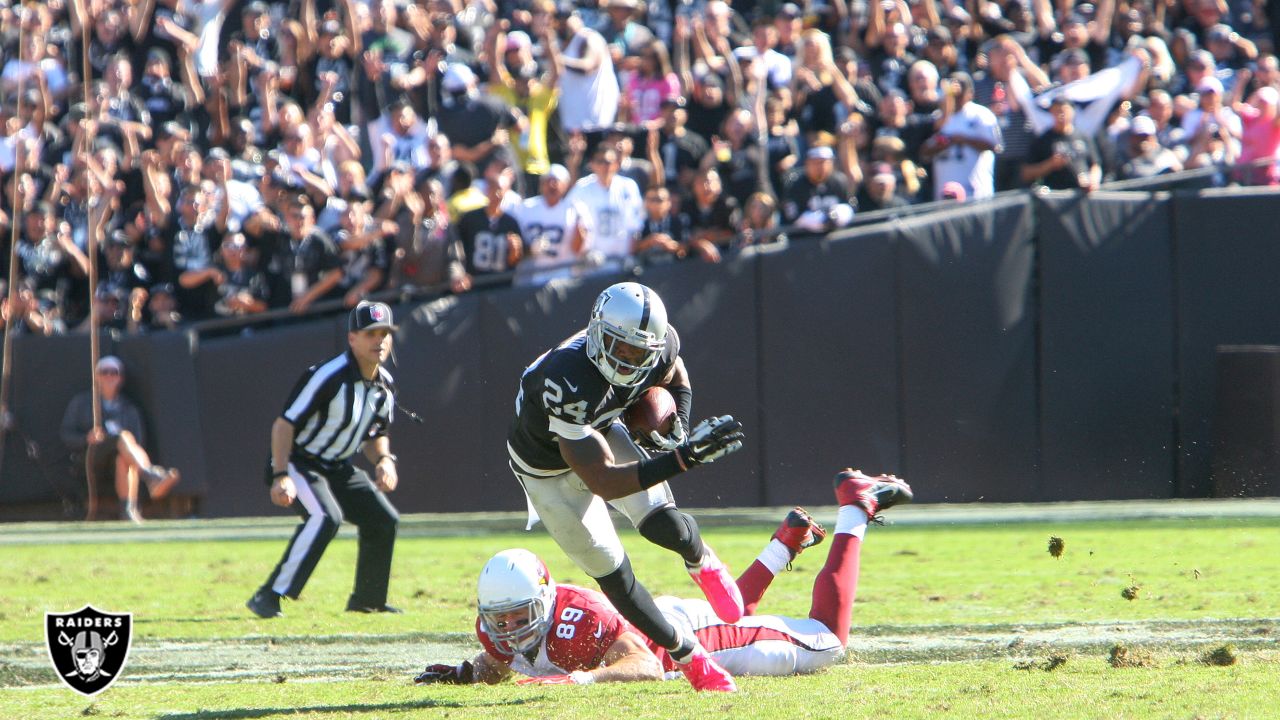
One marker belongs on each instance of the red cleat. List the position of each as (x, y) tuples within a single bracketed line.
[(799, 531), (871, 493), (718, 586), (706, 675)]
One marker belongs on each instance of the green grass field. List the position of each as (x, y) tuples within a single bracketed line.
[(953, 619)]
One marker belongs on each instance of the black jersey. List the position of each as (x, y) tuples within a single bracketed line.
[(562, 394)]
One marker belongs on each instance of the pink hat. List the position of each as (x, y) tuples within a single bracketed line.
[(953, 191)]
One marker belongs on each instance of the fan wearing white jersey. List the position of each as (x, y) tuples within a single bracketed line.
[(613, 204), (554, 230)]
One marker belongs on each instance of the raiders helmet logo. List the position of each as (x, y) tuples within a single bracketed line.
[(88, 647)]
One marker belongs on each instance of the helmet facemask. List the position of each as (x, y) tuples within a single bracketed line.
[(627, 334), (515, 598), (517, 627)]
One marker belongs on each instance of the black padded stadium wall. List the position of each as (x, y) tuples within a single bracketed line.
[(1227, 265), (1246, 421), (1106, 346), (967, 328), (828, 363), (165, 389), (47, 373), (243, 383)]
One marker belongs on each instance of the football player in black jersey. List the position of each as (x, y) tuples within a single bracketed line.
[(571, 452)]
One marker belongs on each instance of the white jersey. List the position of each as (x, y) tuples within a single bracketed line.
[(548, 235), (614, 214), (973, 169), (756, 644), (588, 101)]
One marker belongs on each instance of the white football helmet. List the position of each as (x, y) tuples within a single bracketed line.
[(515, 580), (627, 313)]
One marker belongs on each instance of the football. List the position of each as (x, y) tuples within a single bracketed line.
[(655, 409)]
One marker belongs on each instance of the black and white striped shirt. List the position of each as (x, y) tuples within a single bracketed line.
[(334, 410)]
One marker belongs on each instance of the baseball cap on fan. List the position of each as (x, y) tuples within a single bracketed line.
[(370, 315)]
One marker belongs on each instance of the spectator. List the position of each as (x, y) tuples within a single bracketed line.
[(243, 290), (1007, 64), (613, 207), (1146, 157), (553, 229), (362, 246), (589, 95), (652, 84), (817, 199), (664, 233), (760, 220), (514, 79), (625, 37), (713, 216), (738, 159), (162, 308), (302, 264), (115, 449), (817, 87), (477, 125), (1212, 110), (490, 237), (963, 149), (1260, 137), (1063, 158), (880, 190), (192, 241), (682, 150)]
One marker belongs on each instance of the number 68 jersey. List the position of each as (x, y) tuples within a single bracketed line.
[(563, 395), (583, 627)]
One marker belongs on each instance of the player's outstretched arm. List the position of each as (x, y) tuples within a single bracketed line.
[(627, 660), (592, 460), (481, 669)]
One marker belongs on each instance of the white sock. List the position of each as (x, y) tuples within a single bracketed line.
[(775, 556), (852, 520)]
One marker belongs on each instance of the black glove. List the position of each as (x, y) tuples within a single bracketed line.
[(711, 440), (459, 674)]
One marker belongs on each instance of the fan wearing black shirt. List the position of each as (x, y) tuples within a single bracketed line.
[(1063, 158), (491, 238), (664, 233), (713, 216), (301, 261), (818, 188)]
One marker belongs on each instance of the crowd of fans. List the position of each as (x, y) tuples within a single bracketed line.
[(233, 157)]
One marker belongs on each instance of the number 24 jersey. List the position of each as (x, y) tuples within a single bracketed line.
[(562, 395)]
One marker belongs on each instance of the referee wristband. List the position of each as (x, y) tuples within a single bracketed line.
[(655, 471), (394, 459), (279, 474)]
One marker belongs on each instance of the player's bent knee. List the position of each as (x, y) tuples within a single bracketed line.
[(669, 528)]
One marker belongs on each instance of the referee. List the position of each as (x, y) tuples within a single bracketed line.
[(335, 409)]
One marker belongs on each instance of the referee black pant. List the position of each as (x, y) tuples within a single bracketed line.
[(324, 499)]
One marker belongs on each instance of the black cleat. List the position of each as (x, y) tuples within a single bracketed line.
[(265, 604), (353, 606)]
